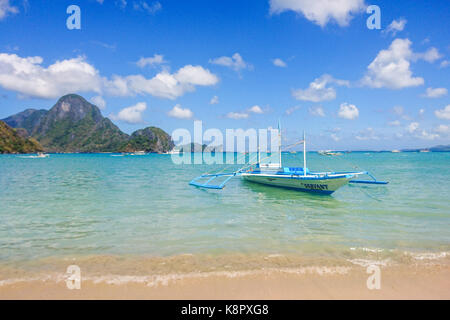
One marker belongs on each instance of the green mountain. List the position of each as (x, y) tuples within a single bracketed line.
[(28, 120), (12, 142), (150, 139), (75, 125)]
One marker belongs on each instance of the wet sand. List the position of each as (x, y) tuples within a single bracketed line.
[(397, 282)]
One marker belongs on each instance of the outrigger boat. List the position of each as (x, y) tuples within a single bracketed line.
[(297, 178)]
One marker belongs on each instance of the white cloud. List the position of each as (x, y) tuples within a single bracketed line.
[(443, 113), (427, 135), (445, 63), (256, 109), (99, 102), (279, 63), (413, 127), (235, 62), (237, 115), (317, 111), (6, 9), (435, 92), (151, 61), (396, 26), (421, 111), (164, 84), (398, 110), (180, 113), (431, 55), (318, 90), (348, 111), (132, 115), (292, 110), (391, 67), (320, 11), (214, 100), (245, 114), (28, 77), (149, 8)]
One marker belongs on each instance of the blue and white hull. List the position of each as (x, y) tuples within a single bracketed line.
[(325, 184)]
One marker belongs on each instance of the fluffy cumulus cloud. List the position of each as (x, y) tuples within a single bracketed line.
[(180, 113), (431, 55), (132, 114), (164, 84), (279, 63), (319, 90), (435, 92), (99, 102), (414, 129), (28, 77), (396, 26), (391, 67), (157, 59), (320, 12), (348, 111), (235, 62), (443, 113), (7, 9)]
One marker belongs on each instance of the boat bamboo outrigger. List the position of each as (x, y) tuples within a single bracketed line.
[(298, 178)]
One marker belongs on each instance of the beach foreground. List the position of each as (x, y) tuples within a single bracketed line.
[(400, 282)]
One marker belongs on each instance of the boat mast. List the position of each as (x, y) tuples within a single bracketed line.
[(279, 138), (304, 153)]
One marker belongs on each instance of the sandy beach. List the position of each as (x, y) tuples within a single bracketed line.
[(401, 282)]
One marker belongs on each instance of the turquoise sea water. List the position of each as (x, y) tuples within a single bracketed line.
[(97, 204)]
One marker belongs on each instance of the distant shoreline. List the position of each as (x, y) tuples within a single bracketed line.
[(285, 152)]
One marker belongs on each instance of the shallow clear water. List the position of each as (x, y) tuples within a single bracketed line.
[(97, 204)]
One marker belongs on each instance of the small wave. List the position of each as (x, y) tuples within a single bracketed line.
[(165, 279), (367, 262), (429, 255), (368, 249)]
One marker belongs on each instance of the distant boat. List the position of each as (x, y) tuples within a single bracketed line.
[(39, 155), (297, 178), (42, 155), (329, 153), (138, 153), (174, 151), (395, 151), (425, 150)]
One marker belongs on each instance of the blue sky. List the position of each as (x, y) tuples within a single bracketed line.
[(315, 67)]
